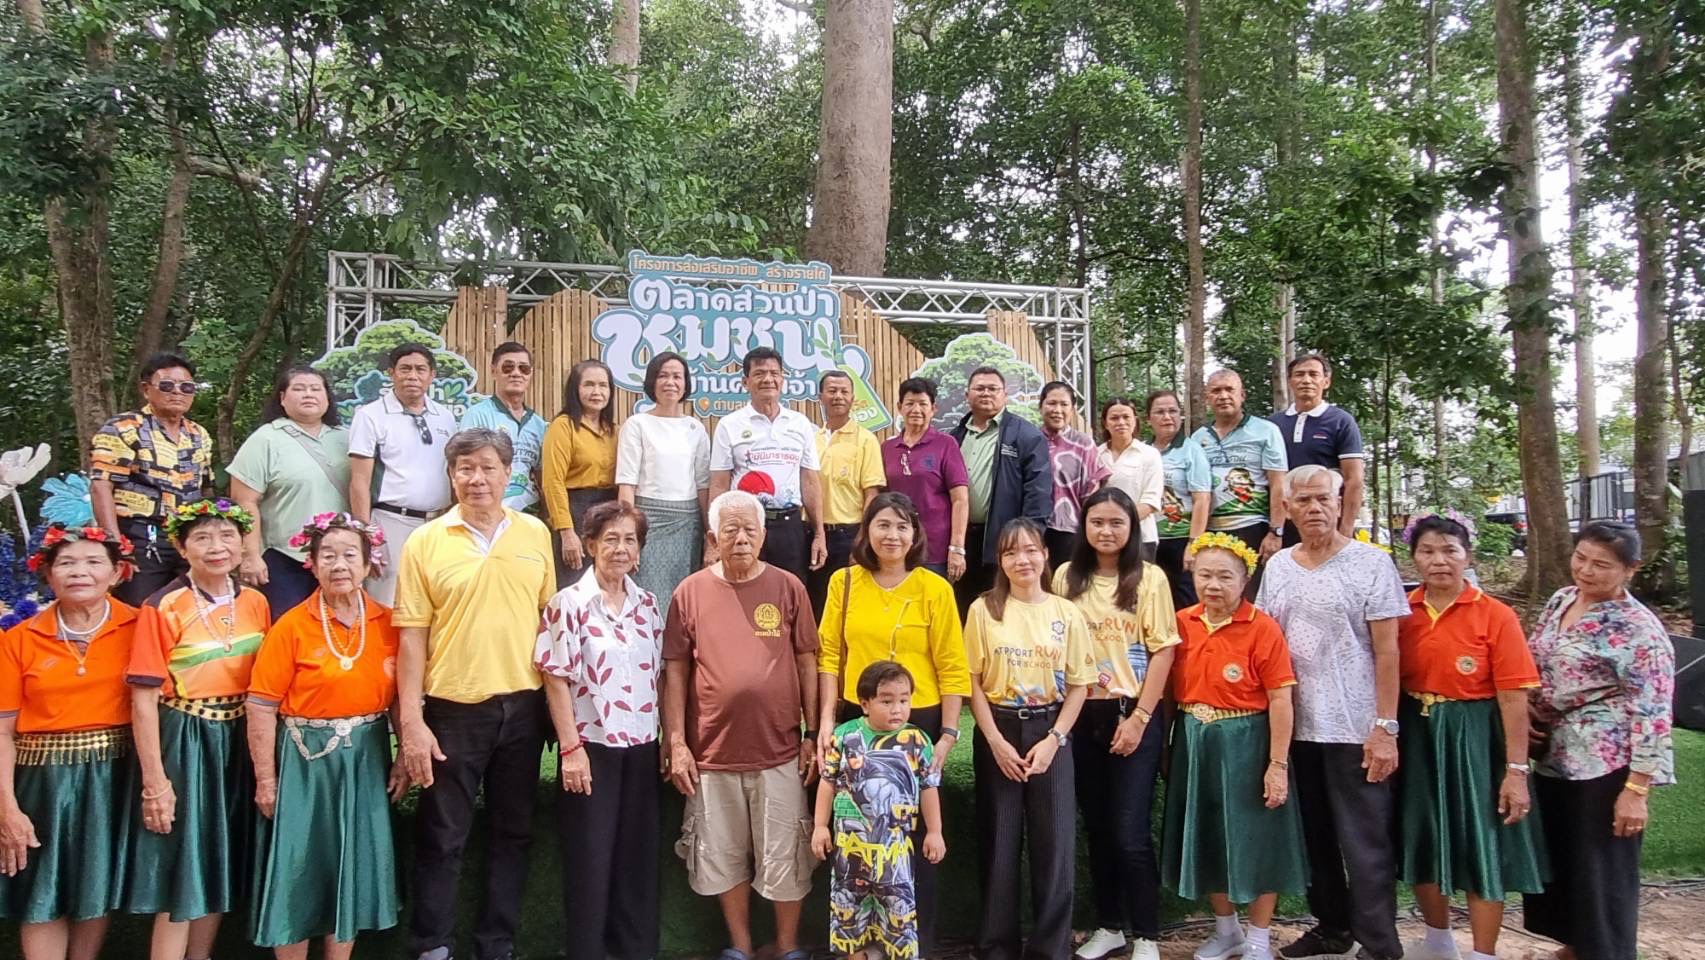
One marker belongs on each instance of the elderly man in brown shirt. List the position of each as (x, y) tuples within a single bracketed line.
[(740, 669)]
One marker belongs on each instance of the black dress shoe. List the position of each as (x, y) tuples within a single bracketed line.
[(1318, 942)]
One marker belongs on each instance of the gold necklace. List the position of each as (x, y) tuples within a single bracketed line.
[(77, 642), (202, 612), (345, 659)]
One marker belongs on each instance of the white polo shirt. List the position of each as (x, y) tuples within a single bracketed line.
[(1139, 472), (408, 472), (746, 440)]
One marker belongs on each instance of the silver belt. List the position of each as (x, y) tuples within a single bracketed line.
[(341, 727)]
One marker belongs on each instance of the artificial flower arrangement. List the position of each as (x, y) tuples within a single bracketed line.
[(220, 508), (1225, 541)]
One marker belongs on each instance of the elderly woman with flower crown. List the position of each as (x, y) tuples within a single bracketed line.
[(1233, 833), (196, 640), (1463, 787), (66, 770), (322, 682)]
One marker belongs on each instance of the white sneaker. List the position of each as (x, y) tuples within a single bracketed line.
[(1222, 946), (1101, 943), (1420, 950), (1144, 949)]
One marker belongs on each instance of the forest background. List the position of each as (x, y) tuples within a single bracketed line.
[(1234, 181)]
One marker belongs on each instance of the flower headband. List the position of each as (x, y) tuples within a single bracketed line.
[(1225, 541), (323, 523), (58, 533), (221, 509), (1448, 513)]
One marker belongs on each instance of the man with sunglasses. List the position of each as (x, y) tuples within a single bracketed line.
[(144, 465), (397, 476), (506, 410)]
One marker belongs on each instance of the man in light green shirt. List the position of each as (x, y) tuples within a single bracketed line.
[(978, 448)]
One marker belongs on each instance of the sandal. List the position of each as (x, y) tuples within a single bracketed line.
[(732, 954)]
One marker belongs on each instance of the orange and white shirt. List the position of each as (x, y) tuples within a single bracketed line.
[(302, 675), (1470, 650)]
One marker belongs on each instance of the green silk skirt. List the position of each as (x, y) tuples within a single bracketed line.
[(202, 866), (81, 814), (1219, 836), (1451, 833), (326, 860)]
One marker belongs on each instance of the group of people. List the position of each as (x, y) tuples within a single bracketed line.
[(203, 717)]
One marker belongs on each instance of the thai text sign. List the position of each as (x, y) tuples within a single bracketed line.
[(712, 312)]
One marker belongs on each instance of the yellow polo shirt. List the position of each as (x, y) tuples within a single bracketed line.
[(850, 461), (480, 603)]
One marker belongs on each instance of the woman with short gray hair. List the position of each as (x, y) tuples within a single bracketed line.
[(1604, 708)]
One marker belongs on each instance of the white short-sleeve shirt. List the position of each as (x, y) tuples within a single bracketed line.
[(408, 471), (611, 660), (746, 440), (1325, 613), (1137, 470), (663, 458)]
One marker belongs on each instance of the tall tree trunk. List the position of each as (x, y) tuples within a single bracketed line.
[(78, 236), (1436, 279), (849, 222), (1580, 238), (150, 329), (1284, 152), (624, 41), (1527, 298), (1195, 327), (1651, 381)]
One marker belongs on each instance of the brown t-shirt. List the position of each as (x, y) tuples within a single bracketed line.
[(745, 706)]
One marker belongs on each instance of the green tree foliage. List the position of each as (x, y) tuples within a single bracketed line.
[(952, 375)]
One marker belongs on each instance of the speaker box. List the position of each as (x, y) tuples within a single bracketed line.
[(1689, 682)]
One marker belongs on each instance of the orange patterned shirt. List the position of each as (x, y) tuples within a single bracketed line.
[(194, 649)]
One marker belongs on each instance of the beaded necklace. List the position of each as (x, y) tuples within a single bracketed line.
[(77, 641), (345, 659), (203, 613)]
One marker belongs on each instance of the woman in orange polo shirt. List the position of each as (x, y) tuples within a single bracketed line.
[(195, 644), (1231, 833), (1466, 822), (66, 770), (325, 676)]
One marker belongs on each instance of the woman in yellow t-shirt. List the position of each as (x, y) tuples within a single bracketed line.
[(1031, 668), (577, 462), (1116, 743), (887, 606)]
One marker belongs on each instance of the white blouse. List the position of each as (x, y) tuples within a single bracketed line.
[(664, 458), (611, 662), (1139, 472)]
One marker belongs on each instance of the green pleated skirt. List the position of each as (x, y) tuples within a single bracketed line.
[(1451, 833), (81, 815), (326, 860), (1219, 836), (202, 866)]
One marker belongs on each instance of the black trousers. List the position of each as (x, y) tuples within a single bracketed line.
[(1169, 554), (1116, 797), (158, 563), (979, 576), (609, 856), (1010, 815), (787, 544), (1592, 902), (495, 743), (925, 883), (288, 583), (1347, 828), (838, 541)]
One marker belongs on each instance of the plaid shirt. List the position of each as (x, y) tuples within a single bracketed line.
[(151, 473)]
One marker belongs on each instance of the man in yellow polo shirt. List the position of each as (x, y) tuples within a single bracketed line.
[(469, 700), (850, 465)]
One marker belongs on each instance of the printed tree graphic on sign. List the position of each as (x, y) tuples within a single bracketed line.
[(952, 374)]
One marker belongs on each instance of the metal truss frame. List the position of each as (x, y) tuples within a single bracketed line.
[(359, 286)]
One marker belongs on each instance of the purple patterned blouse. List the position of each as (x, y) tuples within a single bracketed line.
[(1607, 688)]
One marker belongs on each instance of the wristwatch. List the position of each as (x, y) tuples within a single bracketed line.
[(1389, 726), (950, 732), (1060, 736)]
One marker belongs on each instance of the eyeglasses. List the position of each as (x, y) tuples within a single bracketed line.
[(521, 368), (185, 387), (420, 424)]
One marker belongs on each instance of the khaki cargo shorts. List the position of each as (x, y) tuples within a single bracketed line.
[(749, 826)]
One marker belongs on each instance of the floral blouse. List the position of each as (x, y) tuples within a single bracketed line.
[(610, 660), (1607, 687)]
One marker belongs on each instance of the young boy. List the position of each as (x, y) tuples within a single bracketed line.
[(877, 776)]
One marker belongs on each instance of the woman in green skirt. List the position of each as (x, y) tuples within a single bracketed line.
[(1467, 818), (189, 674), (1230, 834), (321, 745), (66, 768)]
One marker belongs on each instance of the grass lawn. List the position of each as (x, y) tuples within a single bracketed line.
[(1675, 846)]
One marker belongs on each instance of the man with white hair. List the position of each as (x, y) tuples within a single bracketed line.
[(739, 694), (1339, 602)]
